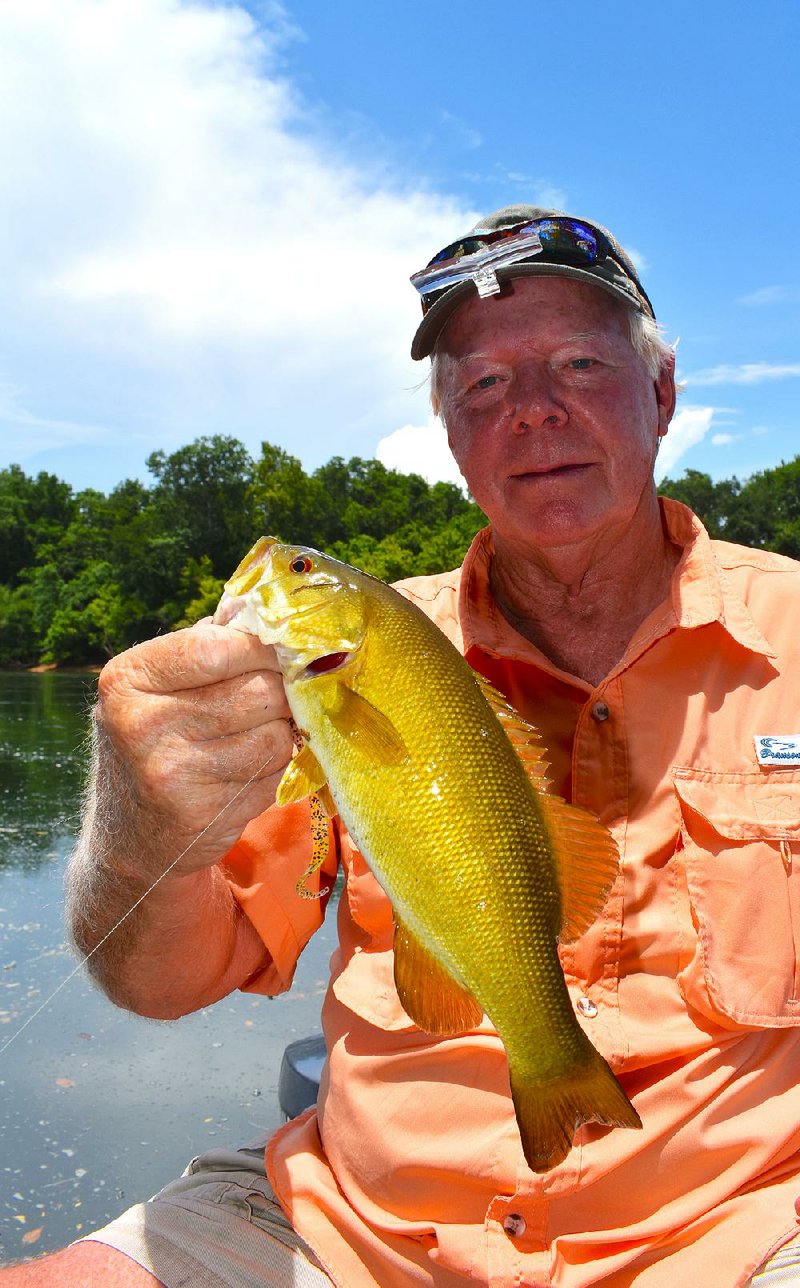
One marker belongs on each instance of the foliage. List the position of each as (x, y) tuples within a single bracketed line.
[(84, 575), (763, 511)]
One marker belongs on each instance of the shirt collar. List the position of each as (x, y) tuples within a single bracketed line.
[(702, 592)]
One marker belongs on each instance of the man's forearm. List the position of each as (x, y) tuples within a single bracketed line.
[(160, 947)]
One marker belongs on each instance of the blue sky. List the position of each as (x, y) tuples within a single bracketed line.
[(210, 211)]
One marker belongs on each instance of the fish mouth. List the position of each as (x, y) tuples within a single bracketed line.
[(325, 665)]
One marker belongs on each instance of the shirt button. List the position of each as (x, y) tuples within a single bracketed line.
[(514, 1225), (600, 712), (586, 1007)]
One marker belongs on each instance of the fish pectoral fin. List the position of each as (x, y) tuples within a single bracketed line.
[(587, 860), (326, 801), (365, 727), (524, 737), (302, 777), (431, 997)]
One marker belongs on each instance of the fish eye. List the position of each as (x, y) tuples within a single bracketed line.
[(301, 563)]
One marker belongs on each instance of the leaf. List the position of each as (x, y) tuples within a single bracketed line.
[(33, 1235)]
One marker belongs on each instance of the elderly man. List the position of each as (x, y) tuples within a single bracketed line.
[(658, 666)]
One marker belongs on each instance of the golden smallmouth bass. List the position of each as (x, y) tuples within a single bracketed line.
[(442, 787)]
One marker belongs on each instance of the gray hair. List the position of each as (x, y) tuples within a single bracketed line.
[(647, 339)]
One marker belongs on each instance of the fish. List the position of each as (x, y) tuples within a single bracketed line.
[(443, 788)]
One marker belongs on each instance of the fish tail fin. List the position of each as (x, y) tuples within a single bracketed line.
[(549, 1113)]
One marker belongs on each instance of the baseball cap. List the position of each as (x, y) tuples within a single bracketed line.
[(521, 241)]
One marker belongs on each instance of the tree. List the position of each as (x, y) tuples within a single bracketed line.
[(286, 503), (202, 496), (33, 512)]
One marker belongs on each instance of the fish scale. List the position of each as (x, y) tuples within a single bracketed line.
[(441, 786)]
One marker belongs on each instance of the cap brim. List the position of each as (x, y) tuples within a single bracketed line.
[(435, 319)]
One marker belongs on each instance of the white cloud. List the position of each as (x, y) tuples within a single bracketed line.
[(688, 428), (722, 440), (746, 373), (187, 248), (767, 295), (420, 449)]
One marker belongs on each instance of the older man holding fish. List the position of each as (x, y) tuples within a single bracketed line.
[(650, 668)]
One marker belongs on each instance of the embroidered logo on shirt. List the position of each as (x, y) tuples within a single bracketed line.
[(783, 749)]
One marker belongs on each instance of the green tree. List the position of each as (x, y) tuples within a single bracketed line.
[(286, 502), (202, 498), (19, 643), (91, 621), (33, 513)]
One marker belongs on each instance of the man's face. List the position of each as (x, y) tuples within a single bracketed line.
[(551, 415)]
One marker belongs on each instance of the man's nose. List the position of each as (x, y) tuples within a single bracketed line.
[(537, 403)]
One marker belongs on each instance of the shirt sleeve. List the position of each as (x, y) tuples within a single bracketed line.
[(263, 870)]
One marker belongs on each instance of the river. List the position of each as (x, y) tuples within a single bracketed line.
[(99, 1108)]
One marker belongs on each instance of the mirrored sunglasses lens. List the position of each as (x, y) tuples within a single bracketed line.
[(458, 249), (568, 237)]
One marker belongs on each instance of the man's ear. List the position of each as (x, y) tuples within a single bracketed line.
[(666, 394)]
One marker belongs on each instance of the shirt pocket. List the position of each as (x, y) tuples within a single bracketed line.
[(741, 846)]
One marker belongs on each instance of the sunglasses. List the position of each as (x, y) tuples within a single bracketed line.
[(476, 256)]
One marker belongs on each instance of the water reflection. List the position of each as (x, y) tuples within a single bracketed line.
[(43, 751), (99, 1108)]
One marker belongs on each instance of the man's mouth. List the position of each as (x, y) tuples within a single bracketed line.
[(554, 471)]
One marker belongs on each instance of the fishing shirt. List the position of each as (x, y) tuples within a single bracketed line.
[(410, 1170)]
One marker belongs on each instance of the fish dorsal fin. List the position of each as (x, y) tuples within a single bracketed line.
[(303, 776), (365, 727), (524, 738), (587, 860), (586, 854), (431, 997)]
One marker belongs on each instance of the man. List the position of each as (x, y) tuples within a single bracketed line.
[(658, 666)]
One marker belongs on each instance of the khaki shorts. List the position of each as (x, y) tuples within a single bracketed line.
[(783, 1268), (219, 1224)]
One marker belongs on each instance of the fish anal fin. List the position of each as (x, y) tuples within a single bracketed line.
[(364, 726), (302, 777), (550, 1113), (524, 737), (431, 997), (587, 861)]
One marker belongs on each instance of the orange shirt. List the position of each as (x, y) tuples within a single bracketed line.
[(410, 1171)]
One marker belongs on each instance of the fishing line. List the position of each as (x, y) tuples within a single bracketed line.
[(43, 1006)]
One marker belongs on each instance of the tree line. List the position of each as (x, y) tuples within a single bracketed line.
[(84, 575)]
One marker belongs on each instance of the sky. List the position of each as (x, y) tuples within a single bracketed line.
[(209, 212)]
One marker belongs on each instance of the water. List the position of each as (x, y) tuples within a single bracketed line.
[(99, 1108)]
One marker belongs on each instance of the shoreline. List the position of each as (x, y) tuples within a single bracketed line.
[(48, 668)]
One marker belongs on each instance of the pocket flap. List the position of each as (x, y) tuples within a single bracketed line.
[(741, 806)]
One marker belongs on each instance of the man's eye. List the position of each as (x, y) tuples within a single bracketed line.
[(485, 382), (581, 364)]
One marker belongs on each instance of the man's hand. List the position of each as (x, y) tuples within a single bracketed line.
[(185, 721), (191, 738)]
